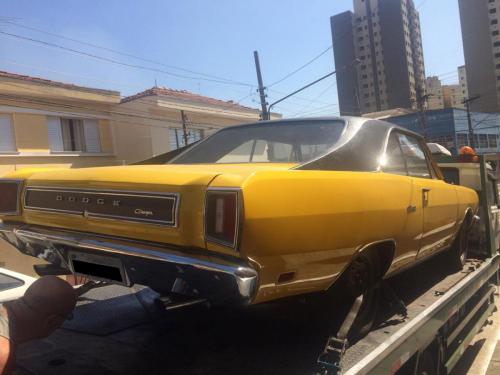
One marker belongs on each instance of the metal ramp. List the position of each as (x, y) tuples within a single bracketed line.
[(117, 330)]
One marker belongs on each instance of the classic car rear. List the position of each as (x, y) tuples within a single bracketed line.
[(252, 213)]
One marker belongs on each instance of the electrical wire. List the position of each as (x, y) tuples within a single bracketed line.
[(301, 111), (124, 53), (47, 44), (117, 62), (301, 67)]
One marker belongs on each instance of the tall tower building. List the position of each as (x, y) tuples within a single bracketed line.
[(378, 56), (481, 39)]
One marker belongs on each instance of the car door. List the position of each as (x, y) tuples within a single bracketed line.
[(408, 241), (437, 198)]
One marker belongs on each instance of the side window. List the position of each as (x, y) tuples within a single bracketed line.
[(451, 175), (393, 161), (416, 161)]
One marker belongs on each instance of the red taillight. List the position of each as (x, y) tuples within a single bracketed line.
[(221, 217), (9, 197)]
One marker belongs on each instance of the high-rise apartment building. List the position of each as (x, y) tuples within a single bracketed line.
[(447, 96), (435, 92), (453, 96), (481, 39), (378, 56)]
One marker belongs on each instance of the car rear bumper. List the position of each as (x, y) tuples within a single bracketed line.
[(217, 278)]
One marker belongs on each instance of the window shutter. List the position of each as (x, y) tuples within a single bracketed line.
[(92, 139), (175, 140), (55, 134), (7, 142)]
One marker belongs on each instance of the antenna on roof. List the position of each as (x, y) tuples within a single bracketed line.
[(156, 85)]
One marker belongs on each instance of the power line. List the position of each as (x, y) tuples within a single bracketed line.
[(99, 79), (122, 53), (301, 67), (421, 4), (301, 111), (52, 45), (117, 62)]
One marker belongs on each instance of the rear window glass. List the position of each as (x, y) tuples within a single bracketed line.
[(279, 142)]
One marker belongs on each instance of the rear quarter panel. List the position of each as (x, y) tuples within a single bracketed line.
[(467, 198), (312, 222)]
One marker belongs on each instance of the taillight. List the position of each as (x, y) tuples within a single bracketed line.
[(9, 197), (221, 217)]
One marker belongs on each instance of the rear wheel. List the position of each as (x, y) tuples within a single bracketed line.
[(362, 278)]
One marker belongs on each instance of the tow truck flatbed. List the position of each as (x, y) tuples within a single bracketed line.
[(119, 331)]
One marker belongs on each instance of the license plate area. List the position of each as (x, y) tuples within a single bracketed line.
[(98, 267)]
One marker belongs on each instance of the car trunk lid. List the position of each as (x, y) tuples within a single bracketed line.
[(158, 203)]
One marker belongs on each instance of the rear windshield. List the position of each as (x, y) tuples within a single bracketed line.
[(280, 142)]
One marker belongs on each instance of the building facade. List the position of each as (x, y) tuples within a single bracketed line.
[(453, 96), (435, 92), (168, 119), (378, 56), (45, 123), (481, 40), (447, 96), (449, 127)]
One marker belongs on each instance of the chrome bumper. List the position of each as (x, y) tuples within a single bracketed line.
[(215, 277)]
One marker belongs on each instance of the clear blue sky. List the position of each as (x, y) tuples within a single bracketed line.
[(214, 37)]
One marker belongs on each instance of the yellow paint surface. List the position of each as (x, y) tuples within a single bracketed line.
[(307, 222)]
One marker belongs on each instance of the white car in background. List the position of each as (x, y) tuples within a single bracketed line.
[(13, 284)]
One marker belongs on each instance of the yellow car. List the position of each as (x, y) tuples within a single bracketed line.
[(251, 214)]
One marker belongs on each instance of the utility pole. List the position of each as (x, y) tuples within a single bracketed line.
[(421, 102), (264, 114), (467, 102), (184, 127)]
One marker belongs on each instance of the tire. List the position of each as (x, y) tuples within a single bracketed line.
[(362, 279), (459, 249), (426, 365)]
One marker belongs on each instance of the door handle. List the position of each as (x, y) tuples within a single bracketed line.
[(425, 197), (411, 209)]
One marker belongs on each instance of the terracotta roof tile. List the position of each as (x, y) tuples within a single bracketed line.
[(49, 82), (186, 95)]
